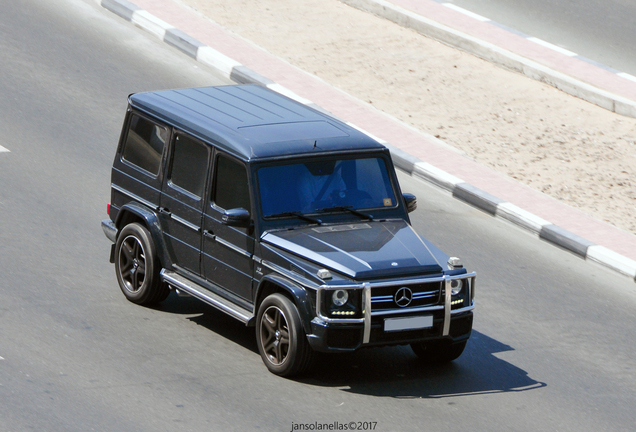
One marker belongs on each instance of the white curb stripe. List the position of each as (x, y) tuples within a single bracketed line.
[(522, 217), (437, 176), (380, 140), (611, 259), (212, 57), (287, 92), (151, 23)]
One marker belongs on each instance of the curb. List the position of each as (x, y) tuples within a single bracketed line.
[(413, 166), (494, 54)]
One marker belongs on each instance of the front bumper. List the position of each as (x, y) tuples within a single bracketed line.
[(328, 337), (348, 334)]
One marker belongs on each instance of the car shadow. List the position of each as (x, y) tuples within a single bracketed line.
[(385, 372), (397, 372), (211, 318)]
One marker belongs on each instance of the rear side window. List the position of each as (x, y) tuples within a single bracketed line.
[(232, 190), (144, 144), (189, 165)]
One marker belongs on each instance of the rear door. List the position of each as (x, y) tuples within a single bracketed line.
[(227, 251), (182, 199)]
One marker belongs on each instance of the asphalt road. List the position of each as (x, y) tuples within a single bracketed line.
[(601, 30), (552, 347)]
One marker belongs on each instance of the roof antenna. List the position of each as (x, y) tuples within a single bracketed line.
[(315, 144)]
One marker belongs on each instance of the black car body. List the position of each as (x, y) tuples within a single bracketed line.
[(283, 217)]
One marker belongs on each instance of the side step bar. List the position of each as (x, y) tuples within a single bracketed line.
[(195, 290)]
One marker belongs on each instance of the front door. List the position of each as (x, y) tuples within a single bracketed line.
[(182, 201), (227, 251)]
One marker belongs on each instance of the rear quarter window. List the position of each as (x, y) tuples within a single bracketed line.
[(145, 142)]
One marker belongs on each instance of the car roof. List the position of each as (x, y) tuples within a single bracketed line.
[(252, 122)]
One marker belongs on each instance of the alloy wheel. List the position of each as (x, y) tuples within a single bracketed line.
[(274, 333)]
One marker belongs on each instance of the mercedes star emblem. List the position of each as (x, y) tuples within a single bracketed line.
[(403, 297)]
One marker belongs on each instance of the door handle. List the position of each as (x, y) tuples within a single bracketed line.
[(209, 234), (165, 211)]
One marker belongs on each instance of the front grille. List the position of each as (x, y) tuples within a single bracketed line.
[(422, 294)]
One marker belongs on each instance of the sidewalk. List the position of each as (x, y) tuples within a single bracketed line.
[(565, 70), (492, 192)]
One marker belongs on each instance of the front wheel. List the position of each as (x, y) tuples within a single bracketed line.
[(137, 266), (280, 337), (438, 352)]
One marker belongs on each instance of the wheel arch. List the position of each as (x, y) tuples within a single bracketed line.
[(134, 212), (298, 295)]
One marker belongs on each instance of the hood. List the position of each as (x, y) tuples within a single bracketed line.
[(361, 250)]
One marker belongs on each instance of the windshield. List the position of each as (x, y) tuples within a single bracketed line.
[(319, 186)]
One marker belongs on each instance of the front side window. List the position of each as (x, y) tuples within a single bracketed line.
[(144, 144), (189, 165), (317, 186), (232, 187)]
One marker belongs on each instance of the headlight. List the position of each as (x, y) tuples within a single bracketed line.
[(456, 286), (340, 297)]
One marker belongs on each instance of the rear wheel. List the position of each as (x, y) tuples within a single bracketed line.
[(280, 337), (438, 352), (137, 266)]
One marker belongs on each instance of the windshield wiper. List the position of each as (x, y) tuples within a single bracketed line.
[(347, 209), (298, 215)]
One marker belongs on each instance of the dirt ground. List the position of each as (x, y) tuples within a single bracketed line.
[(565, 147)]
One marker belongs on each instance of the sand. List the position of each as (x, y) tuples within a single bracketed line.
[(577, 152)]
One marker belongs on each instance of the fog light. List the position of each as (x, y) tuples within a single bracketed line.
[(340, 297), (456, 286)]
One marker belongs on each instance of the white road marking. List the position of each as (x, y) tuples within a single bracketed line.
[(2, 149), (466, 12), (627, 76), (552, 47)]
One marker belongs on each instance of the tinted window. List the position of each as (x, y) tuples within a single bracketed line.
[(319, 185), (144, 144), (232, 189), (189, 164)]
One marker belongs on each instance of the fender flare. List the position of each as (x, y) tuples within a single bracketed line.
[(152, 223), (299, 296)]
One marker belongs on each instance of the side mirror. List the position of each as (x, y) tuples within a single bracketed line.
[(238, 217), (411, 201)]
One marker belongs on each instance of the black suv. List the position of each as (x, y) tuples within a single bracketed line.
[(284, 218)]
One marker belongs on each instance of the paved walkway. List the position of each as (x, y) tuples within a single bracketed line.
[(413, 151), (566, 70)]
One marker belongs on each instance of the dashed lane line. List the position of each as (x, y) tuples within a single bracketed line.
[(3, 149), (626, 76), (552, 47)]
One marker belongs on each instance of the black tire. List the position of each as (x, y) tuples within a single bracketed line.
[(280, 337), (137, 266), (438, 352)]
